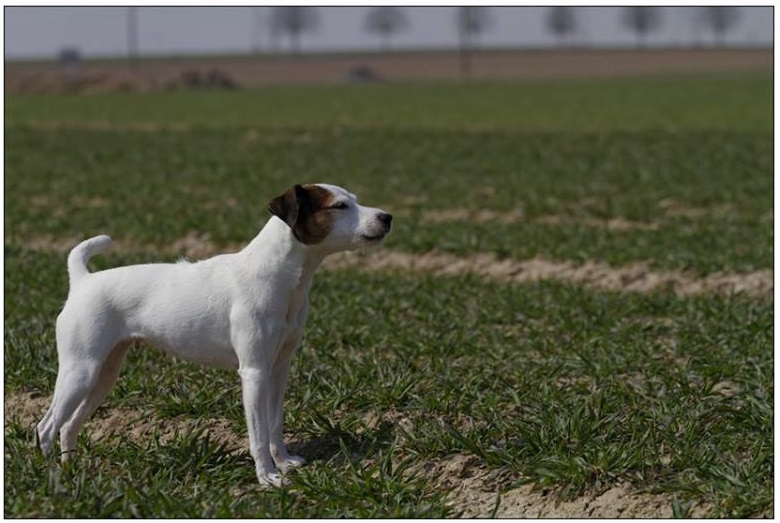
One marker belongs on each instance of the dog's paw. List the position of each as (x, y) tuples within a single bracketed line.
[(274, 479), (290, 463), (67, 455)]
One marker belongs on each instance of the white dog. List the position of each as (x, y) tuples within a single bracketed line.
[(242, 311)]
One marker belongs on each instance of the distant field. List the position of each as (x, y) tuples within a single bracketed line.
[(573, 316), (284, 69), (665, 103)]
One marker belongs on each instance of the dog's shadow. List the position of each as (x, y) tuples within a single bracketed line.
[(337, 444), (334, 445)]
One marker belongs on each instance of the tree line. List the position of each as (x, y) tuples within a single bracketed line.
[(386, 22)]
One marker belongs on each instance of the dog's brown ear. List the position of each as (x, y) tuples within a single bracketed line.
[(286, 206), (298, 207)]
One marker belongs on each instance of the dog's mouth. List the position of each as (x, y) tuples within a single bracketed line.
[(374, 238)]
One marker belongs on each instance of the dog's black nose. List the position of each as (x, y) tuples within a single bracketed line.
[(386, 219)]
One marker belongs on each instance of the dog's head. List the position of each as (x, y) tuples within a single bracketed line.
[(330, 217)]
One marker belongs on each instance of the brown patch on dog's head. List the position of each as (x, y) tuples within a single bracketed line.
[(301, 207)]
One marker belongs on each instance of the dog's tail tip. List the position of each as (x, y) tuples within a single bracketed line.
[(81, 253), (94, 245), (100, 242)]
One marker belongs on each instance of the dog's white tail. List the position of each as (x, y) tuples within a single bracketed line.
[(80, 255)]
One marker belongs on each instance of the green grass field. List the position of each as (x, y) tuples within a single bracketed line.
[(557, 385)]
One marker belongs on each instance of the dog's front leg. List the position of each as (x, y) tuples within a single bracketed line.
[(284, 461), (257, 344), (255, 387)]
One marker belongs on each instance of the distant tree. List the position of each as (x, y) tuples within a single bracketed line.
[(471, 22), (70, 59), (386, 21), (293, 20), (562, 22), (721, 19), (642, 20)]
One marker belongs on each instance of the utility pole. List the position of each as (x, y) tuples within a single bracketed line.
[(464, 43), (257, 30), (132, 37)]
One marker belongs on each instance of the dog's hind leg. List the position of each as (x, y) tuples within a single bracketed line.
[(74, 382), (81, 350), (107, 378)]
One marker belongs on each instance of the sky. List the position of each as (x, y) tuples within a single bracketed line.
[(41, 32)]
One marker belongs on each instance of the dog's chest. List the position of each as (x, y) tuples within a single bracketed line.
[(298, 307)]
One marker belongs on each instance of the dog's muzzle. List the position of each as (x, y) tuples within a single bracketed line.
[(386, 221)]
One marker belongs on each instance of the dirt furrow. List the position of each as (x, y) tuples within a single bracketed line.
[(634, 277)]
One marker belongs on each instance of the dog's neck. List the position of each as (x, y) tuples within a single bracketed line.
[(289, 255)]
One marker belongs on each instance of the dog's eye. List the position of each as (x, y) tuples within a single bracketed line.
[(340, 206)]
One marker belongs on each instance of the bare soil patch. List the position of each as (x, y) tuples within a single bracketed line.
[(47, 243), (472, 215), (194, 245), (528, 502), (138, 425), (474, 491), (611, 224), (634, 277), (513, 216), (673, 209), (259, 70), (477, 492), (102, 126)]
